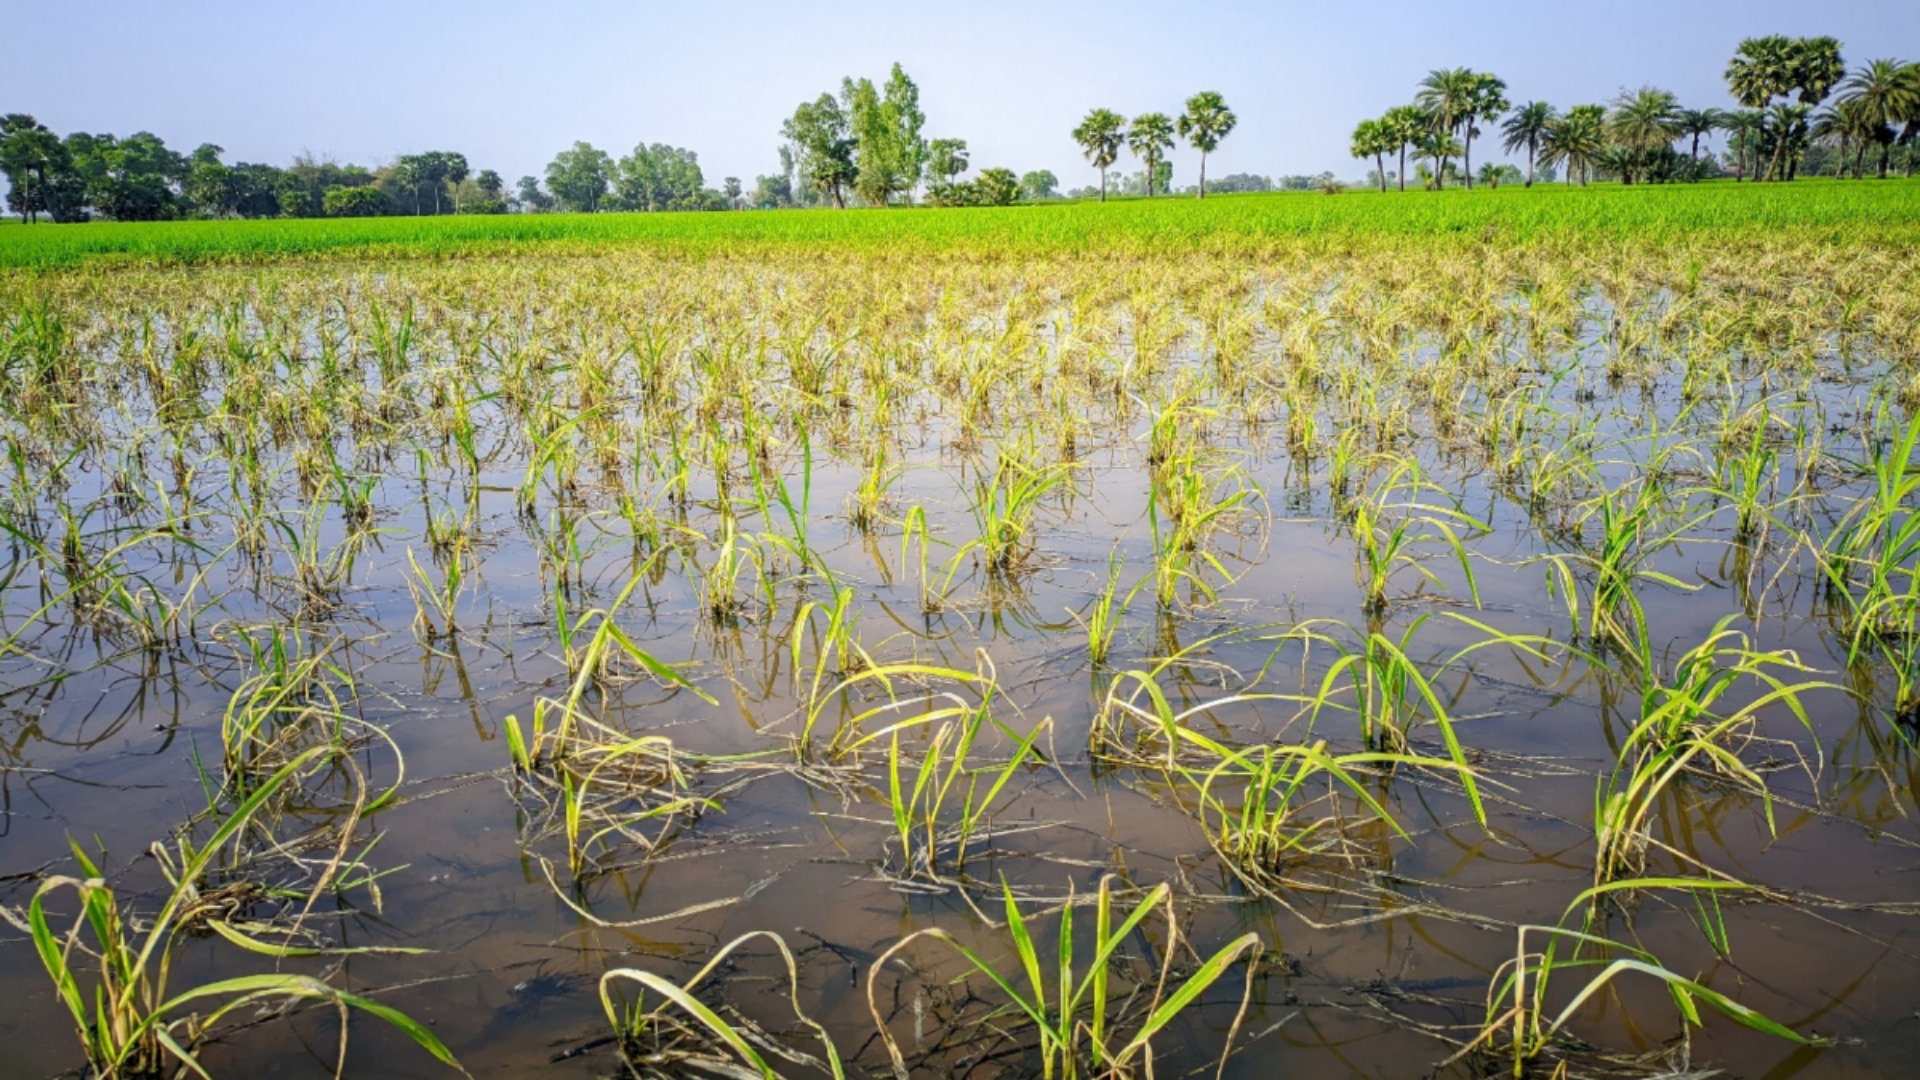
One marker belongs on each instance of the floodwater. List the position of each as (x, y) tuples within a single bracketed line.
[(112, 744)]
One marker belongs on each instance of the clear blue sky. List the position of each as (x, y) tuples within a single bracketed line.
[(510, 84)]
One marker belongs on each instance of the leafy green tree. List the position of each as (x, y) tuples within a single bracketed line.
[(946, 159), (1206, 122), (1405, 125), (730, 187), (823, 137), (773, 192), (30, 154), (1371, 139), (889, 152), (1101, 136), (1039, 184), (532, 199), (1526, 129), (578, 177), (129, 179), (368, 201), (298, 202), (1150, 136), (658, 177), (210, 187), (1886, 93)]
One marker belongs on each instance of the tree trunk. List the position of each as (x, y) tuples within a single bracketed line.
[(1403, 167), (1103, 184), (1380, 166), (1203, 174), (1466, 153), (1532, 150), (1886, 152)]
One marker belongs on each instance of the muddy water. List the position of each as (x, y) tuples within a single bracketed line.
[(105, 746)]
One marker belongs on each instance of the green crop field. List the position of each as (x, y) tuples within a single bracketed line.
[(1876, 212)]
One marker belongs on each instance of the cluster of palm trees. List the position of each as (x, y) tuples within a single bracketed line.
[(1780, 82), (1104, 133)]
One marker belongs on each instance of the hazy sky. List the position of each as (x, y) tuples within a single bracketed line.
[(510, 84)]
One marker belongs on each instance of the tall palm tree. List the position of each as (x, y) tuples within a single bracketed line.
[(1888, 91), (1699, 122), (1576, 141), (1101, 136), (1457, 98), (1150, 136), (1762, 69), (1371, 138), (1787, 125), (1526, 128), (1817, 68), (1405, 124), (1643, 123), (1206, 121), (1746, 128)]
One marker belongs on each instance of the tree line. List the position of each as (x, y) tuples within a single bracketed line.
[(1800, 108), (139, 178), (82, 176)]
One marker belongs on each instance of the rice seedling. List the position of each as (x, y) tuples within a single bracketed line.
[(651, 1040), (919, 809), (1520, 1023), (1684, 729), (1081, 1026), (1101, 620), (1387, 531), (131, 1025), (1005, 504)]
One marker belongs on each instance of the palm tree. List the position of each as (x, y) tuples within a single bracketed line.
[(1446, 95), (1787, 123), (1888, 92), (1456, 98), (1101, 135), (1575, 141), (1699, 122), (1762, 69), (1527, 127), (1206, 121), (1405, 124), (1643, 123), (1441, 146), (1746, 126), (1149, 136), (1371, 138)]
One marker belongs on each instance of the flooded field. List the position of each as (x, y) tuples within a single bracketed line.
[(1400, 659)]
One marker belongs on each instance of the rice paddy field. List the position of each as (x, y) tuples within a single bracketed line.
[(1390, 636)]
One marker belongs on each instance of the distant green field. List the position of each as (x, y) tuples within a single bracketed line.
[(1863, 210)]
